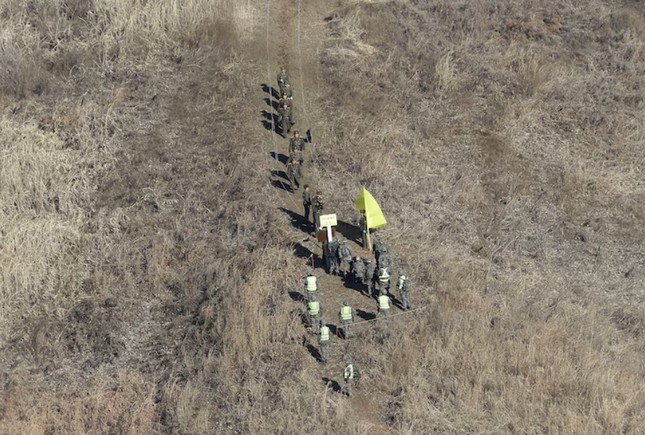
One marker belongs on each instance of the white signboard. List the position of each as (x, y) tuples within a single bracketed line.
[(328, 220)]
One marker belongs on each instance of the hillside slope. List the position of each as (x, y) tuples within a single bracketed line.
[(152, 252)]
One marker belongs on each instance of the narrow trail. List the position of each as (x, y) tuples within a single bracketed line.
[(299, 29)]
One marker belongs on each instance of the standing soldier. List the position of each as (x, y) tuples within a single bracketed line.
[(351, 377), (311, 286), (296, 143), (318, 208), (285, 119), (335, 258), (379, 246), (286, 101), (306, 201), (368, 279), (403, 285), (294, 172), (327, 256), (283, 80), (358, 270), (345, 256), (315, 313), (346, 315), (324, 339), (383, 305), (384, 281), (384, 260), (288, 91)]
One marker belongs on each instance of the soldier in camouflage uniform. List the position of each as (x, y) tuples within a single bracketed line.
[(358, 270), (384, 281), (318, 208), (285, 119), (344, 256), (324, 340), (288, 91), (283, 80), (296, 143), (403, 286), (384, 260), (286, 100), (294, 172), (368, 279), (306, 202), (334, 256), (376, 245)]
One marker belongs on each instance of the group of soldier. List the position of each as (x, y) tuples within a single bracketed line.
[(372, 275), (285, 122)]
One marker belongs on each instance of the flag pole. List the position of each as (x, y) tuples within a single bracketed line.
[(368, 239)]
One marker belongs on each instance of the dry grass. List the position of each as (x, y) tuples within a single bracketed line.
[(146, 269)]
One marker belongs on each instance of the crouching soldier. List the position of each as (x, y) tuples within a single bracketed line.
[(351, 377), (403, 285)]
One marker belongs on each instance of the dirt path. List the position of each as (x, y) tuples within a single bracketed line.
[(301, 30)]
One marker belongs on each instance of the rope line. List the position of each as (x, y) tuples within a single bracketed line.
[(302, 83), (269, 81)]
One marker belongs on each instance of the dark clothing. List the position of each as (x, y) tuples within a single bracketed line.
[(287, 101), (345, 256), (368, 279), (294, 173), (285, 120), (296, 156), (358, 269), (296, 144), (384, 260), (282, 82), (306, 203), (335, 259), (318, 207)]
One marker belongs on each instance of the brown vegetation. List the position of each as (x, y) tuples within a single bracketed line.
[(146, 266)]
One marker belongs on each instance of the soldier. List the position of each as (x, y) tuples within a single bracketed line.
[(358, 270), (384, 281), (315, 313), (346, 315), (286, 101), (306, 201), (328, 256), (311, 286), (351, 377), (368, 279), (345, 256), (296, 156), (383, 305), (384, 260), (324, 339), (334, 256), (294, 172), (288, 91), (296, 143), (403, 285), (285, 119), (283, 80), (379, 246), (318, 208)]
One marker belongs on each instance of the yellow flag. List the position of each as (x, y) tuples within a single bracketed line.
[(373, 214)]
